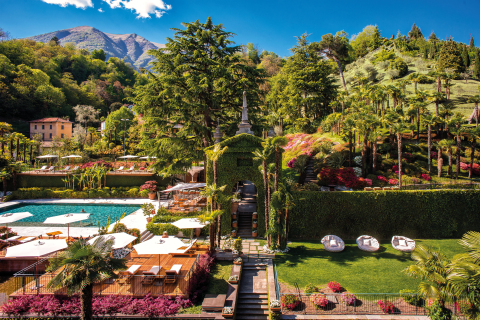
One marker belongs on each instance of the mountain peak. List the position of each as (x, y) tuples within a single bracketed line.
[(131, 47)]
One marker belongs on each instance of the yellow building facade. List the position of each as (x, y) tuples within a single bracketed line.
[(51, 127)]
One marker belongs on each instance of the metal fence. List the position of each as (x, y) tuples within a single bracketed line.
[(473, 184), (365, 303)]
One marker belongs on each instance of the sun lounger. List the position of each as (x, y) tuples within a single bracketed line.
[(150, 275), (132, 168), (128, 274), (333, 243), (120, 169), (188, 251), (368, 243), (52, 168), (171, 275), (67, 168), (42, 168), (27, 239), (403, 243), (14, 238)]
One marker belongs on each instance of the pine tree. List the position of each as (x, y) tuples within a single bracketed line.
[(476, 69), (415, 33), (472, 43), (376, 39), (432, 37), (433, 50), (450, 58), (425, 51)]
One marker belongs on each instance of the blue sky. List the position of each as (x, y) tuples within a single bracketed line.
[(271, 25)]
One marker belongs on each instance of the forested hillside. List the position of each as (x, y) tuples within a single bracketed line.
[(47, 80)]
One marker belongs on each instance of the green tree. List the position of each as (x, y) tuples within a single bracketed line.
[(83, 265), (475, 100), (117, 116), (429, 120), (465, 58), (197, 80), (447, 144), (457, 129), (472, 44), (336, 48), (213, 194), (398, 128), (55, 41), (99, 54), (415, 33), (365, 41), (450, 58), (264, 155), (473, 136), (476, 69)]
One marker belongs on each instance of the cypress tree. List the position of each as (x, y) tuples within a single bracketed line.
[(415, 33), (465, 58), (472, 43), (433, 50), (425, 51), (432, 37), (476, 69)]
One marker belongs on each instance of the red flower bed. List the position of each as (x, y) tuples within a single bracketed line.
[(386, 306), (289, 301), (102, 163), (334, 286), (475, 170), (343, 176)]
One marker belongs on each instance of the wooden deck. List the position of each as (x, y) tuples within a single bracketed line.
[(29, 285)]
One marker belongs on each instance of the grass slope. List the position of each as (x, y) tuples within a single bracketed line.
[(357, 271)]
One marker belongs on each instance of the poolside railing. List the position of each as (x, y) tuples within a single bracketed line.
[(365, 303)]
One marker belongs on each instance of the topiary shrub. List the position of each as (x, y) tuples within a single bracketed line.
[(159, 228)]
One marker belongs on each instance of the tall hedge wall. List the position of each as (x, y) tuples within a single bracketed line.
[(113, 180), (415, 214)]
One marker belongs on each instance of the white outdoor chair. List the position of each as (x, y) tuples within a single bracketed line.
[(403, 243), (368, 243)]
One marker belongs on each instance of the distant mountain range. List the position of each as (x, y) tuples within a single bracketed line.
[(130, 47)]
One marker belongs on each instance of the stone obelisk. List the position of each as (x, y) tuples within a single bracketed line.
[(244, 126)]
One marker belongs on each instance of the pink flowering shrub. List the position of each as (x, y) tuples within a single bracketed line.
[(348, 298), (149, 185), (475, 170), (393, 181), (433, 154), (426, 177), (291, 163), (395, 168), (102, 305), (368, 181), (382, 178), (319, 300), (99, 163), (289, 301), (301, 143), (334, 286), (343, 176), (386, 306)]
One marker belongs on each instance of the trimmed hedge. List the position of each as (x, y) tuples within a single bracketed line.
[(382, 214), (62, 193)]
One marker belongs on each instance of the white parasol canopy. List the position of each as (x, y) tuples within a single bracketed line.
[(127, 157), (47, 156), (67, 219), (189, 223), (183, 186), (36, 248), (72, 156), (147, 158), (10, 217), (120, 240), (159, 245)]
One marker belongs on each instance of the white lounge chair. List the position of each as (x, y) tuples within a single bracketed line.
[(333, 243), (132, 168), (52, 168), (403, 243), (171, 275), (67, 168), (27, 239), (119, 169), (149, 276), (185, 251), (368, 243), (128, 274), (42, 168)]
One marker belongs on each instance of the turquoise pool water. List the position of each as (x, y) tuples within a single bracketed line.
[(98, 212)]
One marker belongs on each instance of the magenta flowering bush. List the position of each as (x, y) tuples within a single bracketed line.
[(382, 178), (334, 286), (426, 177), (368, 181), (348, 298), (102, 305), (199, 279), (291, 163), (433, 154), (319, 300), (393, 181)]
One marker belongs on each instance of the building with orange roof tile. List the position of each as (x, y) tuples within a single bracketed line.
[(51, 127)]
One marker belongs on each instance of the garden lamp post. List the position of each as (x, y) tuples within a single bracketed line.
[(124, 131)]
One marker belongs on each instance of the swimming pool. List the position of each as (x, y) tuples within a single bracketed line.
[(42, 211)]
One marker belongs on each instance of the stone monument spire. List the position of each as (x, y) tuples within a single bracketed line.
[(244, 126)]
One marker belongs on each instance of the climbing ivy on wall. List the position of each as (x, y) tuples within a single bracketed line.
[(237, 164)]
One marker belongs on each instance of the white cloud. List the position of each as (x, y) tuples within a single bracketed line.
[(77, 3), (100, 10), (142, 8)]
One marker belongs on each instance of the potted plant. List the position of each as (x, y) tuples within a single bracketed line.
[(238, 261), (237, 245), (275, 306), (227, 312), (254, 223), (233, 279), (151, 186), (234, 233), (255, 216), (235, 202), (254, 233), (234, 223), (234, 215), (148, 210)]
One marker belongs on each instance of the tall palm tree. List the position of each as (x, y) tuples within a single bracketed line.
[(414, 78), (277, 144), (212, 193), (398, 129), (447, 144), (433, 267), (457, 129), (437, 98), (215, 155), (439, 158), (81, 266), (264, 155), (419, 107), (473, 136), (429, 120), (475, 99)]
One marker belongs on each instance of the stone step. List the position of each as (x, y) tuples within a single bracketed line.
[(253, 268), (250, 295), (253, 312), (256, 301), (251, 317), (251, 306)]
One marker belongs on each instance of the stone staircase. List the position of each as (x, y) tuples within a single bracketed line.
[(244, 228), (310, 176), (252, 303)]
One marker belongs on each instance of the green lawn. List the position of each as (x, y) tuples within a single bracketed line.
[(218, 284), (357, 271)]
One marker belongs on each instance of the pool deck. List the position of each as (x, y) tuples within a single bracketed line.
[(134, 220)]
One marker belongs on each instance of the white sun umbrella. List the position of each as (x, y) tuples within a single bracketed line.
[(67, 219), (10, 217), (72, 156), (120, 240), (47, 156), (127, 157), (147, 158), (189, 223), (159, 245)]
